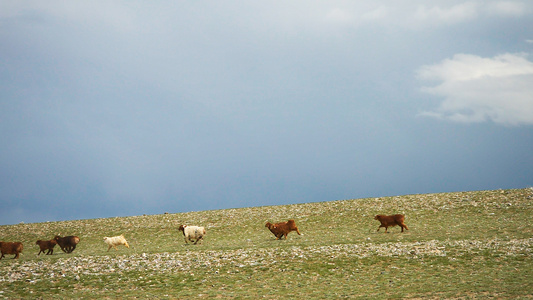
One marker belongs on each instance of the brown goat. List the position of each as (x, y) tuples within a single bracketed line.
[(46, 245), (282, 229), (68, 243), (11, 248), (391, 221)]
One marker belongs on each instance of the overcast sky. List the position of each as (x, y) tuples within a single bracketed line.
[(121, 108)]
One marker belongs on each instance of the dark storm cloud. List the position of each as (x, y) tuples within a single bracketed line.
[(128, 108)]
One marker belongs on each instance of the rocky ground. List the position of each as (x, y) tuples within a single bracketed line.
[(75, 267)]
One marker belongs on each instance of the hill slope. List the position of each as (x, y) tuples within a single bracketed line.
[(459, 245)]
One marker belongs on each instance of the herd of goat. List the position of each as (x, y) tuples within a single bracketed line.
[(191, 234)]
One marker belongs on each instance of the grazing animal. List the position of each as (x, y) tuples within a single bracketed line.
[(391, 221), (115, 241), (11, 248), (46, 245), (68, 243), (192, 233), (282, 229)]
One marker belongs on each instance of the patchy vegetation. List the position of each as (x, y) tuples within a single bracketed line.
[(459, 245)]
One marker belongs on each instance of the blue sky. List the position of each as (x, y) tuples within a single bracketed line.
[(120, 108)]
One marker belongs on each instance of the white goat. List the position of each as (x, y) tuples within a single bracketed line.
[(192, 233), (115, 241)]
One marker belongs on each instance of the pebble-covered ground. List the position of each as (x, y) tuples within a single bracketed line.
[(75, 267)]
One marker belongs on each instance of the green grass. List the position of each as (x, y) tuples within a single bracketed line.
[(460, 245)]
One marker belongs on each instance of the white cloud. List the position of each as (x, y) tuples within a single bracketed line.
[(507, 8), (358, 14), (339, 15), (446, 14), (477, 89), (417, 15), (454, 14), (380, 13)]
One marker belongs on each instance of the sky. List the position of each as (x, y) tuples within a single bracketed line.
[(124, 108)]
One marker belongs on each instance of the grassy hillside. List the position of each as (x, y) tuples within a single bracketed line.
[(462, 245)]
